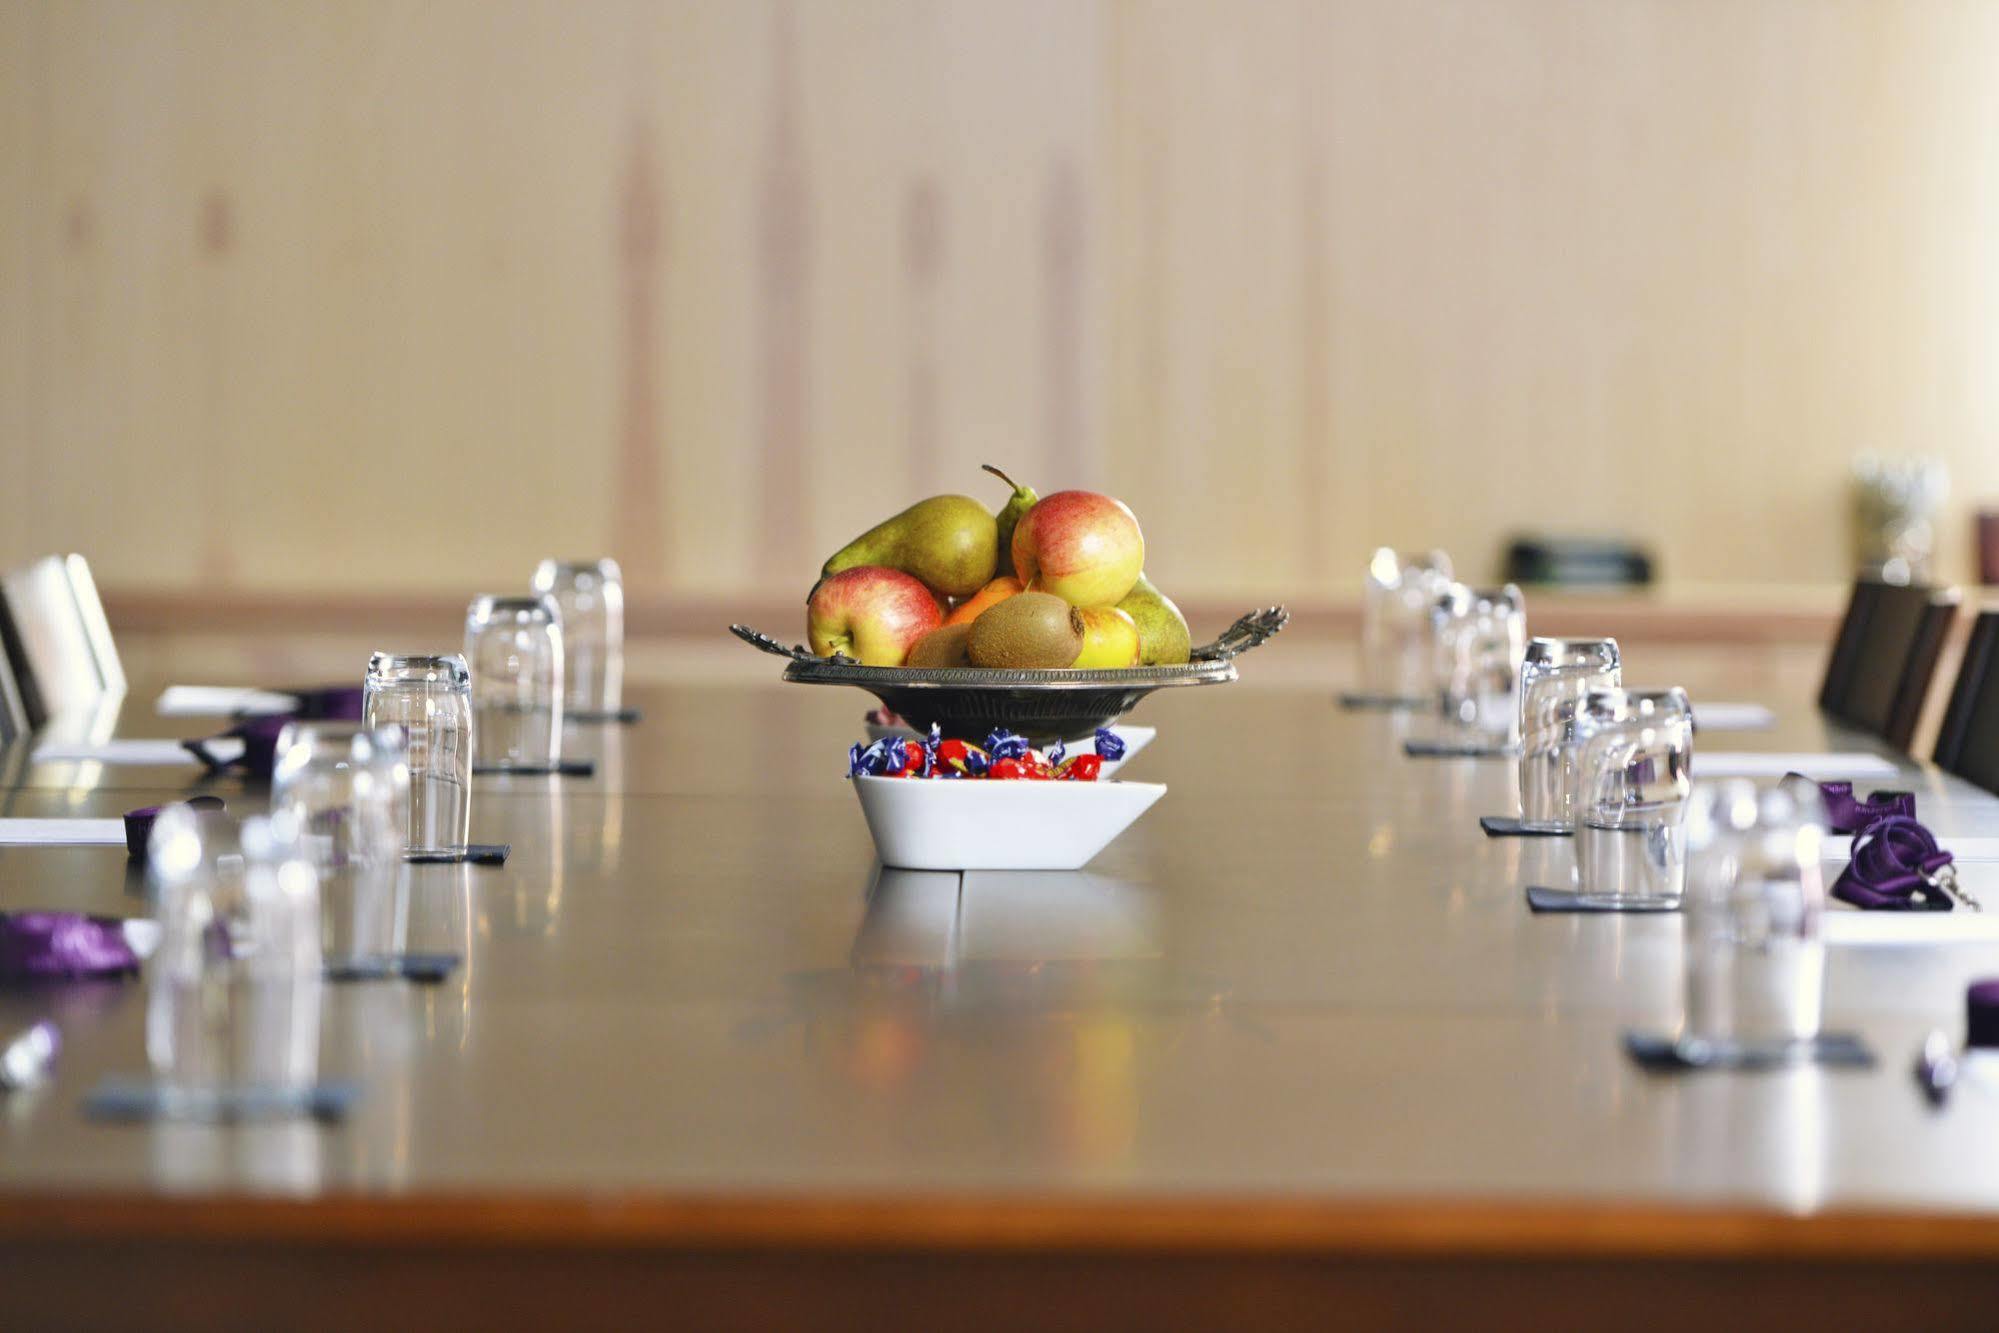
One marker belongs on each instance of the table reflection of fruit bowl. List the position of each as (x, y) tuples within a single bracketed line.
[(1067, 704)]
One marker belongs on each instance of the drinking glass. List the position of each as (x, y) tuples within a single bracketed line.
[(430, 698), (1554, 676), (1481, 638), (348, 789), (590, 599), (234, 989), (514, 647), (1634, 775), (1754, 907), (1395, 636)]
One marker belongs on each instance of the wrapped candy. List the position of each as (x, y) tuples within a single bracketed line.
[(1005, 756)]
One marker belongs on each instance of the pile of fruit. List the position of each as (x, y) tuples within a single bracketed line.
[(1052, 581), (1004, 756)]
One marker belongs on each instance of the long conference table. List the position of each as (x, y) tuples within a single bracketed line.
[(1293, 1046)]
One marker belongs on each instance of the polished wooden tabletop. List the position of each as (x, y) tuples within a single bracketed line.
[(1298, 1014)]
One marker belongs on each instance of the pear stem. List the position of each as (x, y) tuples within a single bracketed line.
[(1001, 475)]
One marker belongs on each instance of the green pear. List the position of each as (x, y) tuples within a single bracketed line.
[(1009, 517), (1163, 639), (948, 542)]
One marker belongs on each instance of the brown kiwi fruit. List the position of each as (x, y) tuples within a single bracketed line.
[(1026, 631), (941, 647)]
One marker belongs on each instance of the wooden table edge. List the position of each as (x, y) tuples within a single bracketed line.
[(1554, 1230)]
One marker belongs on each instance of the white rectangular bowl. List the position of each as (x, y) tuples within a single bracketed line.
[(981, 824)]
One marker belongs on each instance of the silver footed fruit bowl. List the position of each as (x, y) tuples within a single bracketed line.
[(1048, 705)]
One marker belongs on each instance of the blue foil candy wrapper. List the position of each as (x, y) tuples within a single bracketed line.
[(890, 758), (1110, 746), (874, 759), (1004, 744)]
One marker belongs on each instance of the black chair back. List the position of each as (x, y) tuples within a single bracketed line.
[(1968, 741), (58, 638), (20, 702), (1884, 656), (13, 713)]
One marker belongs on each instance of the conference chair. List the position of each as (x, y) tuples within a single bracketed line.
[(1884, 656), (1968, 741), (13, 712), (57, 639)]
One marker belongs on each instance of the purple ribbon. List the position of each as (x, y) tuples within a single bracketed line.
[(139, 823), (1846, 813), (260, 746), (1896, 867), (328, 703), (63, 946)]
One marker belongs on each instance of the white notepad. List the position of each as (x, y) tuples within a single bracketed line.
[(1820, 767), (226, 750), (1953, 927), (220, 701), (1732, 717), (62, 833)]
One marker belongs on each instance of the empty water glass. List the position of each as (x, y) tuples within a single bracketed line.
[(348, 789), (1634, 774), (590, 601), (1754, 907), (1481, 638), (1395, 635), (234, 988), (514, 647), (430, 698), (1554, 676)]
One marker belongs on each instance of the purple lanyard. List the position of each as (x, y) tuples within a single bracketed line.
[(1898, 867), (1844, 813), (63, 946)]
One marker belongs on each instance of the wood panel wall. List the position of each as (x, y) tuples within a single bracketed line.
[(399, 295)]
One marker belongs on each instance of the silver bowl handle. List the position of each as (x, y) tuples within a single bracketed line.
[(1252, 631), (796, 653)]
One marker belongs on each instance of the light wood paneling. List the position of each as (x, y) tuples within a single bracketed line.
[(399, 296)]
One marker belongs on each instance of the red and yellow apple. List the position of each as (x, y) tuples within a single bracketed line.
[(1083, 547), (871, 613), (1110, 638), (972, 607)]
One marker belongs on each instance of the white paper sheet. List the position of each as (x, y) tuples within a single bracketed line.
[(1822, 767), (1955, 927), (128, 751), (220, 701), (62, 833), (1732, 717)]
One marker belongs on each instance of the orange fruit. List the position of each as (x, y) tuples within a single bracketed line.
[(1001, 588)]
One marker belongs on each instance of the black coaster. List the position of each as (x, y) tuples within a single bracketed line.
[(426, 969), (1456, 750), (567, 768), (1381, 703), (1506, 826), (628, 717), (477, 854), (1543, 899), (1840, 1050), (137, 1099)]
